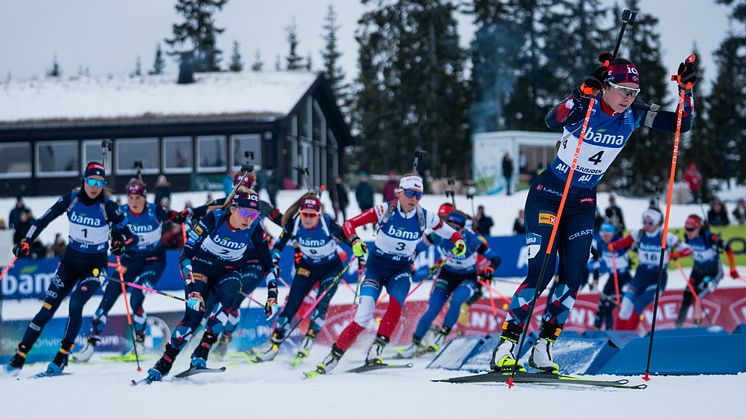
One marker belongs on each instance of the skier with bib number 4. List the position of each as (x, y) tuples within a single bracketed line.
[(220, 248), (92, 216), (401, 226), (615, 115)]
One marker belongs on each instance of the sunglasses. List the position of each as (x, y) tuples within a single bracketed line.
[(690, 229), (624, 90), (248, 212), (95, 182), (308, 214), (411, 193), (649, 223)]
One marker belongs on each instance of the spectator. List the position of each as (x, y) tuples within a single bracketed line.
[(25, 221), (693, 178), (15, 213), (364, 193), (37, 250), (342, 199), (389, 188), (2, 224), (614, 215), (519, 225), (484, 222), (271, 185), (162, 189), (718, 214), (740, 212), (57, 249), (508, 171)]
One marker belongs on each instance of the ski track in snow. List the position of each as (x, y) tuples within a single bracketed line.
[(277, 390)]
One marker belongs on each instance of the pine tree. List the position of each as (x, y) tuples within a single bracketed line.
[(159, 63), (331, 55), (293, 60), (137, 71), (309, 62), (198, 32), (412, 92), (641, 167), (236, 60), (278, 63), (258, 64), (56, 70), (728, 98)]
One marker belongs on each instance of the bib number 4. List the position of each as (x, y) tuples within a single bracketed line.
[(596, 158)]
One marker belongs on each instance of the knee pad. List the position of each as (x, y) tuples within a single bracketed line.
[(365, 309)]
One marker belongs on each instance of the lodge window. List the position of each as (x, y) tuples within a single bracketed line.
[(133, 149), (177, 155), (15, 161), (57, 158)]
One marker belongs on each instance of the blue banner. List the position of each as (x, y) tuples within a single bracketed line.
[(30, 278)]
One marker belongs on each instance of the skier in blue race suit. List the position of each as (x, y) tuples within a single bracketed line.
[(401, 225), (607, 300), (83, 268), (224, 245), (615, 116), (458, 281), (143, 263), (707, 270), (640, 291), (316, 236)]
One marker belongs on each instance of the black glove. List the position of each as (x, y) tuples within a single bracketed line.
[(21, 249), (686, 76), (487, 273), (117, 247)]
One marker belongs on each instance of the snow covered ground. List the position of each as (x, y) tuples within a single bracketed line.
[(278, 391)]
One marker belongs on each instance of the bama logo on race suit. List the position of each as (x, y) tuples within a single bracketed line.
[(402, 233), (84, 220)]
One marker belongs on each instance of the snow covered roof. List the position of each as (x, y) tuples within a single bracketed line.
[(266, 94)]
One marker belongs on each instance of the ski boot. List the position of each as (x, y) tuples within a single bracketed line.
[(222, 347), (375, 352), (86, 353), (305, 347), (440, 338), (413, 349), (202, 351), (60, 359), (272, 349), (13, 367), (327, 364), (541, 353), (504, 356), (163, 366)]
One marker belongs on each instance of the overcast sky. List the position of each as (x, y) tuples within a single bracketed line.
[(107, 36)]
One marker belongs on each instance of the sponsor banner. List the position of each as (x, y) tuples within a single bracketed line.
[(30, 278)]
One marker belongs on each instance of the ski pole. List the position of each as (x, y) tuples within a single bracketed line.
[(671, 178), (360, 270), (127, 310), (492, 299), (144, 288), (321, 296), (691, 289), (616, 277), (7, 267)]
